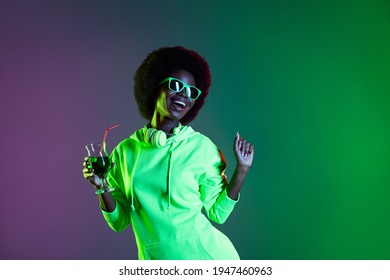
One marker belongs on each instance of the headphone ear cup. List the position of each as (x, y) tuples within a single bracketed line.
[(155, 137)]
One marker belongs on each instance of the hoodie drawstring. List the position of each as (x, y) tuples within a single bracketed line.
[(131, 185), (169, 173)]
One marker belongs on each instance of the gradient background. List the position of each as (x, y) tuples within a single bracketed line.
[(307, 82)]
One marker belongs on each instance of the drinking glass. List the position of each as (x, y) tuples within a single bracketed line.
[(101, 164)]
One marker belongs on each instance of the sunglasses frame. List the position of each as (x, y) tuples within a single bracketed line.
[(186, 86)]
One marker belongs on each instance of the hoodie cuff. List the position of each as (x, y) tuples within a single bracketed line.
[(225, 202), (111, 217)]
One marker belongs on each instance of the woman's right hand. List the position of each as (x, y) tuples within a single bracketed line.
[(107, 202), (89, 175)]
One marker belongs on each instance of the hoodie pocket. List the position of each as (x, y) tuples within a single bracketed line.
[(181, 249)]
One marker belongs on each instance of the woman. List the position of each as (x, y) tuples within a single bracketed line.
[(165, 174)]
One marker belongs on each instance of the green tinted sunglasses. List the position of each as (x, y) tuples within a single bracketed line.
[(177, 85)]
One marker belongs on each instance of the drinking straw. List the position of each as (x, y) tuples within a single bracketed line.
[(105, 135)]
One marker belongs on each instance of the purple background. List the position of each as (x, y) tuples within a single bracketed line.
[(66, 75)]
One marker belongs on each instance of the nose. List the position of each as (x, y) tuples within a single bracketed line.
[(183, 92)]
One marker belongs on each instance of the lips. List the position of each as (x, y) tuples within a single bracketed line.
[(179, 103)]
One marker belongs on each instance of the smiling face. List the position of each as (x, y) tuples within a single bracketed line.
[(175, 105)]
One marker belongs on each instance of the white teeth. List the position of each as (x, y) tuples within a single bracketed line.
[(180, 103)]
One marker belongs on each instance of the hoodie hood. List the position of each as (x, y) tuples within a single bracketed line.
[(180, 133)]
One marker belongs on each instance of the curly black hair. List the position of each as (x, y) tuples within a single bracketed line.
[(158, 65)]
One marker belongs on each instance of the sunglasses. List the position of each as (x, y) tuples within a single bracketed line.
[(176, 85)]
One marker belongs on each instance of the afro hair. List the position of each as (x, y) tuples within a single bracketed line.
[(158, 65)]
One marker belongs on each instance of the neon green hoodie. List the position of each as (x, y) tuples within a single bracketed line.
[(161, 191)]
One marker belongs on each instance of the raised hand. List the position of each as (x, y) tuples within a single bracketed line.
[(244, 151)]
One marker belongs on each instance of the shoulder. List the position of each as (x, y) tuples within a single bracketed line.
[(199, 139), (205, 146), (127, 145)]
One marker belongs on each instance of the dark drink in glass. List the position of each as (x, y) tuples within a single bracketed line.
[(100, 165)]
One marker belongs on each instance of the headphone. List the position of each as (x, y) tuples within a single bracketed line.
[(158, 138)]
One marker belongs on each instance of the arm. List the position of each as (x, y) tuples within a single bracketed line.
[(219, 196), (244, 152)]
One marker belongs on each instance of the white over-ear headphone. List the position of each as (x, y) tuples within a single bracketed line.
[(158, 138)]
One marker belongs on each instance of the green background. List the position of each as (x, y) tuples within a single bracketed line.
[(308, 82)]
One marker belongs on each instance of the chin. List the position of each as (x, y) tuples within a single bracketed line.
[(176, 115)]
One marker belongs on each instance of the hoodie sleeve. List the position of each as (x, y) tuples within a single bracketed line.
[(119, 219), (213, 183)]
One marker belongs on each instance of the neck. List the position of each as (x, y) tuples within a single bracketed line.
[(163, 123)]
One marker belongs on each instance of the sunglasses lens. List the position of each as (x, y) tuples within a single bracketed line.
[(192, 92), (175, 85)]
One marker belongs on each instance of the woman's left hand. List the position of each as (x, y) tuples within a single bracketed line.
[(244, 151)]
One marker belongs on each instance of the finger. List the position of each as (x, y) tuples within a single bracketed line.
[(236, 140), (88, 175), (243, 145), (251, 150), (247, 147), (88, 171), (239, 143), (87, 162)]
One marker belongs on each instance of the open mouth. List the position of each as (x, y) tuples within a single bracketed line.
[(179, 103)]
